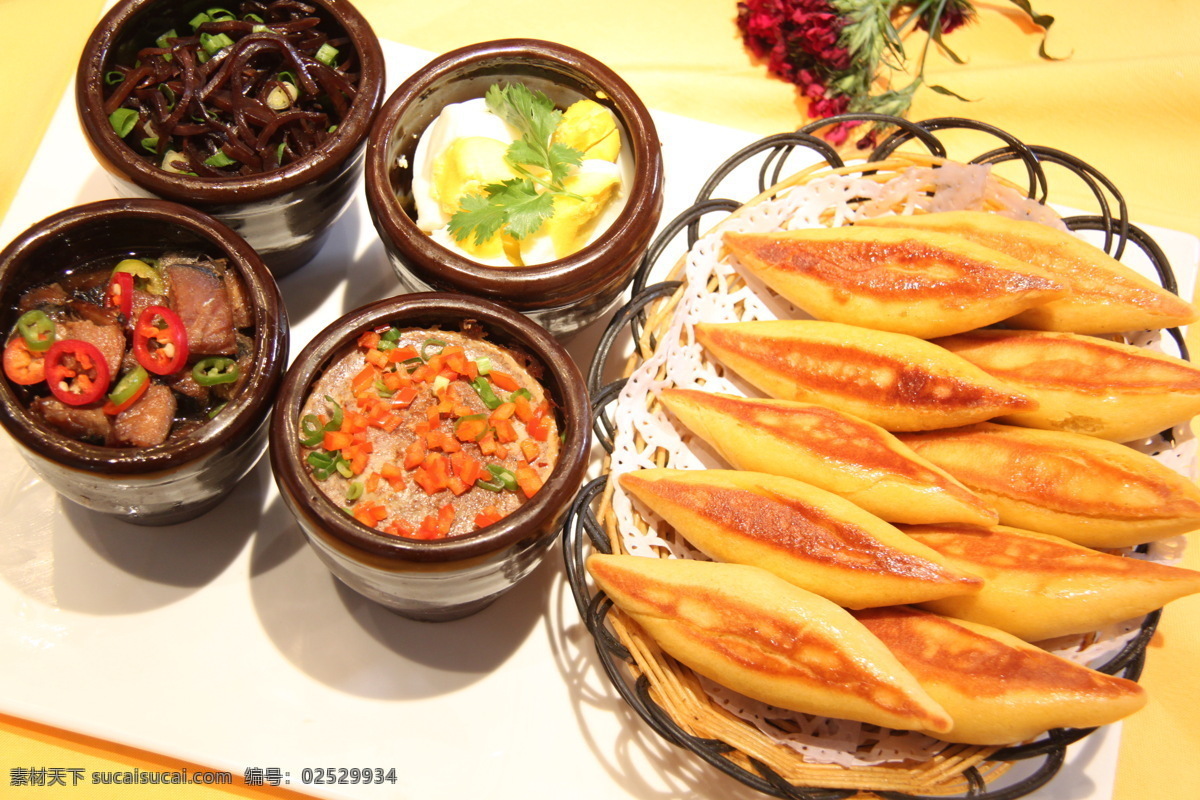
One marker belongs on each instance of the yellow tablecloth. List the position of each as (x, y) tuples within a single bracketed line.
[(1125, 97)]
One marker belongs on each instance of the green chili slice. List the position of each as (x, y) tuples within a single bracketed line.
[(483, 388), (312, 432), (215, 370), (129, 385), (123, 120), (145, 276), (504, 476), (489, 485), (37, 329)]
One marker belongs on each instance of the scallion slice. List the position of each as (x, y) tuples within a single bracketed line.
[(503, 475), (123, 120), (326, 54), (219, 159), (484, 389), (312, 432)]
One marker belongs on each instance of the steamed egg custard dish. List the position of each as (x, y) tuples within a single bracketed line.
[(508, 180)]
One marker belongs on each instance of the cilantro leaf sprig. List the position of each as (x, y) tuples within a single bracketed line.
[(521, 205)]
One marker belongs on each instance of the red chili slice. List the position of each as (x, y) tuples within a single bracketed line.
[(22, 365), (119, 294), (76, 372), (160, 340)]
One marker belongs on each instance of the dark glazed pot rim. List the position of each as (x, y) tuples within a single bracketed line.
[(242, 415), (351, 132), (568, 279), (562, 381)]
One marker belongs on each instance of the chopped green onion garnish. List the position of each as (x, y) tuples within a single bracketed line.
[(219, 159), (326, 54), (113, 78), (279, 153), (504, 476), (259, 28), (199, 20), (169, 94), (428, 343), (287, 77), (150, 144), (322, 464), (217, 410), (123, 120), (335, 417), (391, 335), (384, 345), (214, 43), (164, 42), (484, 365), (312, 432), (354, 491), (484, 389), (219, 14), (253, 18), (343, 468), (512, 398), (489, 485), (382, 389)]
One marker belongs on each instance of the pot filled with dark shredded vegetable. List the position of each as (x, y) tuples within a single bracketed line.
[(255, 112)]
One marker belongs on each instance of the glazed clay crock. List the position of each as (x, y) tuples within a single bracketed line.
[(563, 295), (285, 214), (181, 478), (432, 580)]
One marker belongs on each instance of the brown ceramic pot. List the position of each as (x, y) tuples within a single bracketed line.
[(285, 214), (183, 477), (563, 295), (449, 578)]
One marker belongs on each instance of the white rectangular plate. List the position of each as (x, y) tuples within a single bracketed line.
[(225, 642)]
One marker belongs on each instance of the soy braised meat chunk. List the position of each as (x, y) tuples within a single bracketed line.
[(51, 295), (108, 338), (197, 294), (148, 421), (86, 423), (239, 298)]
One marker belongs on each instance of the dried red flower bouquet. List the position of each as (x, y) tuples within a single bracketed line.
[(842, 53)]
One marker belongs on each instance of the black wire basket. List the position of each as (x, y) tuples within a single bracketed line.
[(1040, 759)]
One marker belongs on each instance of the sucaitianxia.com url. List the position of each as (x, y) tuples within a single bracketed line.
[(34, 777)]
